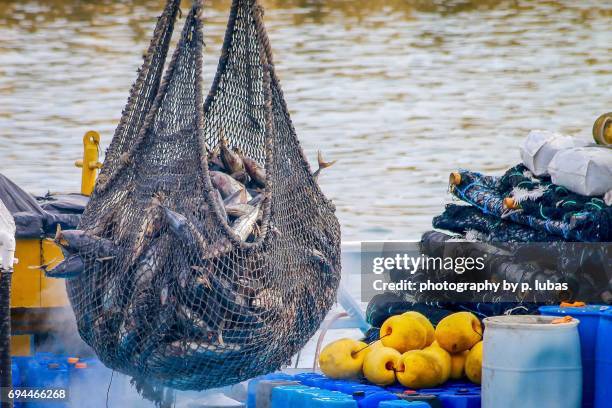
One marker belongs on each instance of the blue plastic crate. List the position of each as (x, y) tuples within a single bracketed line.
[(318, 390), (15, 374), (309, 397), (373, 400), (403, 404), (45, 371), (285, 395), (252, 387)]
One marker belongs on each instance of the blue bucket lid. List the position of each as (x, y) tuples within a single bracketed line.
[(588, 310)]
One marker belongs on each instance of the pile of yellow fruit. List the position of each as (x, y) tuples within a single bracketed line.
[(411, 351)]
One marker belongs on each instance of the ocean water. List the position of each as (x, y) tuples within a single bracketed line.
[(400, 92)]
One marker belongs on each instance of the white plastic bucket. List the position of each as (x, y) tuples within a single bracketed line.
[(529, 362)]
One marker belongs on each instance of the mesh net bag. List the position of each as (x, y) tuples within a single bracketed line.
[(170, 291)]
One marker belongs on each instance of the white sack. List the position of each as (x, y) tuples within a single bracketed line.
[(608, 198), (583, 170), (7, 238), (540, 147)]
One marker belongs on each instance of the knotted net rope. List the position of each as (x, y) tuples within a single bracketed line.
[(169, 291)]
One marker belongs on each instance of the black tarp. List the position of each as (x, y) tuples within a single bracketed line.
[(38, 217)]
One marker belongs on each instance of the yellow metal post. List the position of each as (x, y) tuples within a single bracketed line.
[(89, 163)]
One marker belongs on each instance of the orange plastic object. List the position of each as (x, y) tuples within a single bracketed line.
[(73, 360), (574, 304), (454, 179), (80, 365), (511, 204), (561, 320)]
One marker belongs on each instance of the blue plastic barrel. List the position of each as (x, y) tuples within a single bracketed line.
[(603, 362), (529, 362), (589, 323)]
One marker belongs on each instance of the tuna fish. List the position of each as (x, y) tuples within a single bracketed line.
[(255, 171), (226, 184), (231, 160), (244, 225)]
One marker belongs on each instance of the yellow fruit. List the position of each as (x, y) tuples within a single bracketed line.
[(426, 323), (403, 333), (473, 364), (419, 369), (371, 347), (443, 358), (380, 364), (374, 345), (458, 332), (458, 365), (343, 359)]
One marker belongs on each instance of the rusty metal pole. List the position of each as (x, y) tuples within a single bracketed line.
[(6, 379)]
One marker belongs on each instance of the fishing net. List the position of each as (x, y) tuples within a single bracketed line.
[(170, 290), (501, 264), (465, 219), (537, 204)]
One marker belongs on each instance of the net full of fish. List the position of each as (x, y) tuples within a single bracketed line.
[(207, 253)]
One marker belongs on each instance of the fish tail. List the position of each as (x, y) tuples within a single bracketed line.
[(59, 235), (322, 163)]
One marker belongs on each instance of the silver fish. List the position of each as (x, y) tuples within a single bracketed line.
[(231, 160), (225, 183), (257, 199), (184, 229), (241, 176), (255, 171), (69, 268), (150, 227), (239, 197), (238, 210), (220, 203), (148, 267), (73, 241), (214, 159), (243, 226)]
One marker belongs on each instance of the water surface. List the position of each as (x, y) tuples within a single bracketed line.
[(400, 92)]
